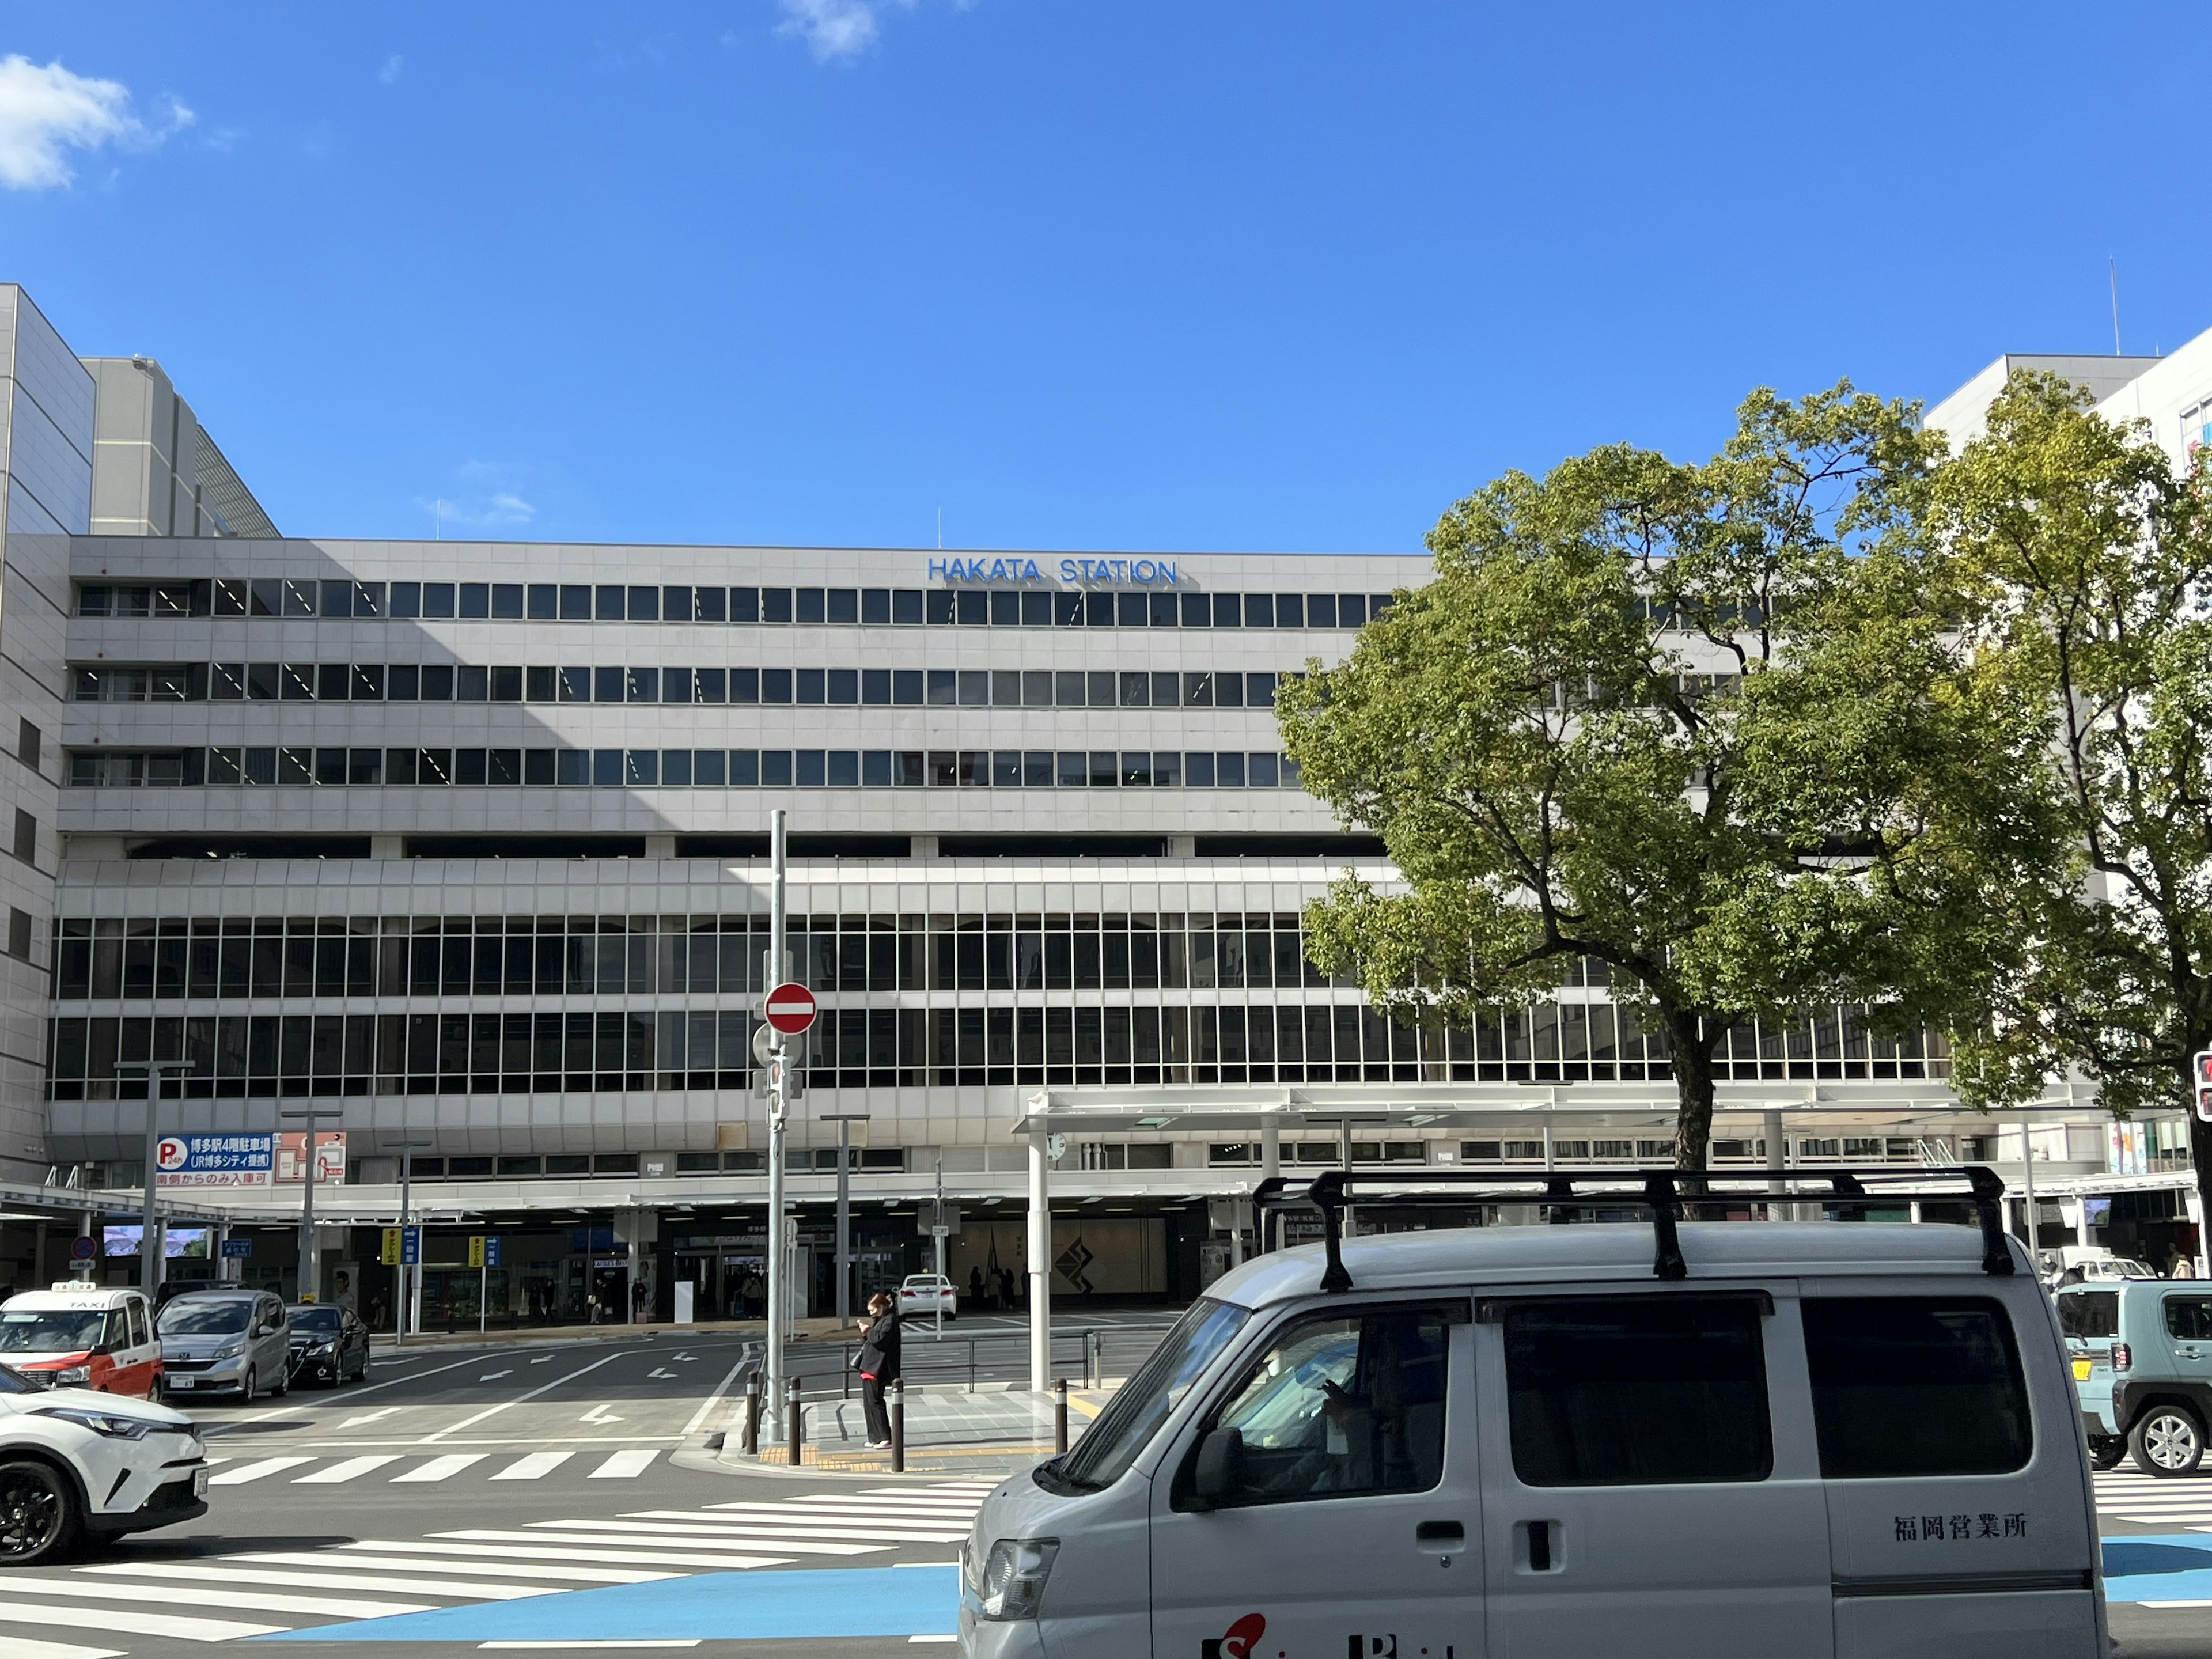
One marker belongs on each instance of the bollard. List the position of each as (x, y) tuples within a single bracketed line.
[(1059, 1416), (794, 1426), (898, 1425), (752, 1415)]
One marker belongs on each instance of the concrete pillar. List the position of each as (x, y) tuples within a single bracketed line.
[(1040, 1266)]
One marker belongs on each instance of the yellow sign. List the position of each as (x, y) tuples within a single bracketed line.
[(476, 1250), (391, 1253)]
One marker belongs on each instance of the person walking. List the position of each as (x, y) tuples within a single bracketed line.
[(877, 1362)]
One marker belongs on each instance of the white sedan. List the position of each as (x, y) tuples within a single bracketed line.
[(928, 1293), (75, 1463)]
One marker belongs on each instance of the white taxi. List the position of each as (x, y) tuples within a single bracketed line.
[(76, 1464), (84, 1336)]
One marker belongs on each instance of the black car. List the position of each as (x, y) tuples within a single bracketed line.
[(329, 1345)]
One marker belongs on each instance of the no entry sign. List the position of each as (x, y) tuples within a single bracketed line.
[(791, 1008)]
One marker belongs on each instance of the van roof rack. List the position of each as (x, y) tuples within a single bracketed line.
[(1662, 1191)]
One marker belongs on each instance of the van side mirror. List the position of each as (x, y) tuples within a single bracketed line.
[(1220, 1472)]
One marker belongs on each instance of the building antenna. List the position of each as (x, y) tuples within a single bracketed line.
[(2114, 266)]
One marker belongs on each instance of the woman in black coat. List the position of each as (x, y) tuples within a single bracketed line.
[(878, 1365)]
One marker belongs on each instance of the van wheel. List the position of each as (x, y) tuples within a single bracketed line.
[(2168, 1440), (39, 1517)]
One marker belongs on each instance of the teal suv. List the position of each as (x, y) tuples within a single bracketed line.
[(2141, 1352)]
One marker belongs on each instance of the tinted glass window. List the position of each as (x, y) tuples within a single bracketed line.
[(2187, 1317), (184, 1317), (2090, 1313), (1915, 1385), (1345, 1405), (1628, 1391)]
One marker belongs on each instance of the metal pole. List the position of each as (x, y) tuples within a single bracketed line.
[(310, 1284), (1060, 1415), (149, 1228), (776, 916), (399, 1309), (898, 1425), (1775, 1150), (844, 1120), (2027, 1186), (794, 1425), (937, 1233), (1040, 1252)]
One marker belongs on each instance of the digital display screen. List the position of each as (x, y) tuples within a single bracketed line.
[(177, 1242)]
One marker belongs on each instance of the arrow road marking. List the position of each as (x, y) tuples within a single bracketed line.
[(367, 1417), (541, 1359), (683, 1358), (658, 1370), (494, 1376), (598, 1413)]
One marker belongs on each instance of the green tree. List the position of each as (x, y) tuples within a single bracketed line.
[(2085, 560), (1700, 723)]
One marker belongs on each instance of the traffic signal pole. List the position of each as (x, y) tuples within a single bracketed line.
[(777, 1077)]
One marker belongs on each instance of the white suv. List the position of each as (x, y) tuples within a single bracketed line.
[(75, 1463)]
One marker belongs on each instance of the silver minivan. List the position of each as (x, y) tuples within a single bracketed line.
[(233, 1341), (1822, 1437)]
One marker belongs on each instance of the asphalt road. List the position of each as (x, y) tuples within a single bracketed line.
[(552, 1496)]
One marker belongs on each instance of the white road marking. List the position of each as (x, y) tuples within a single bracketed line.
[(534, 1467), (779, 1523), (577, 1642), (350, 1469), (683, 1358), (520, 1399), (494, 1376), (624, 1466), (245, 1471), (392, 1382), (130, 1621), (659, 1372), (930, 1638), (598, 1413), (427, 1561), (257, 1600), (376, 1416), (231, 1572), (439, 1468), (720, 1389), (22, 1647), (621, 1532), (541, 1359), (628, 1555)]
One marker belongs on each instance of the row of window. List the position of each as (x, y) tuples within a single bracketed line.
[(239, 956), (971, 607), (916, 687), (686, 768), (1854, 1149), (965, 1047), (1627, 1391)]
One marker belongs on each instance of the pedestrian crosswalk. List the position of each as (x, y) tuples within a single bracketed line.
[(2127, 1494), (305, 1471), (47, 1613)]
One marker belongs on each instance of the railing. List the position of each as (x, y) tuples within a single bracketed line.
[(1084, 1358)]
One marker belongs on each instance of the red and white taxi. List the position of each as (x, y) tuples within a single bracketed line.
[(83, 1336)]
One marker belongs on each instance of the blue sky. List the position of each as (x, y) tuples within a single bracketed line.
[(1213, 273)]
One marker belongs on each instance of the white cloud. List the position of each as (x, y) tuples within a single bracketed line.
[(387, 74), (835, 28), (45, 111), (501, 507)]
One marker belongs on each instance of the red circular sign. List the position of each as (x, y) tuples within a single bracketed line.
[(791, 1008)]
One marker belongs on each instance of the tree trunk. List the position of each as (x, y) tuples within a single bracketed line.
[(1688, 1036)]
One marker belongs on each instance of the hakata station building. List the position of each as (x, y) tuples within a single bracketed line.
[(464, 846)]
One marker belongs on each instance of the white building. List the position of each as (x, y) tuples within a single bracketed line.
[(467, 842)]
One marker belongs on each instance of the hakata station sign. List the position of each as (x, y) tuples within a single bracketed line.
[(791, 1008)]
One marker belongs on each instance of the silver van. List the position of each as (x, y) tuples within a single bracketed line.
[(1821, 1437), (233, 1341)]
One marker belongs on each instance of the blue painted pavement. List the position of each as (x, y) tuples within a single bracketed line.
[(2159, 1567), (919, 1600)]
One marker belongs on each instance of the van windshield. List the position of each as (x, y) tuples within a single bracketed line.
[(225, 1318), (1134, 1414)]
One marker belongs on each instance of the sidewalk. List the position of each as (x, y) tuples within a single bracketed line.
[(947, 1431)]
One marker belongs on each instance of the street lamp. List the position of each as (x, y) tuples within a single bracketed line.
[(401, 1308), (149, 1260), (311, 1284), (844, 1120)]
